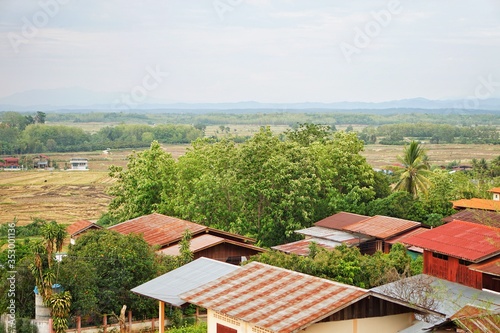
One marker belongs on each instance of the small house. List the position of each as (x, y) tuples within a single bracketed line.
[(78, 228), (79, 163), (9, 163)]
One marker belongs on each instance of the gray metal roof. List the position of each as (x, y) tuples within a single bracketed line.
[(169, 286), (333, 235), (449, 297)]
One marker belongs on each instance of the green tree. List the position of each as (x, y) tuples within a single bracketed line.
[(120, 264), (140, 188), (413, 178)]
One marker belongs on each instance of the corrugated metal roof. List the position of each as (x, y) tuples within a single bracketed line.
[(402, 237), (382, 226), (169, 286), (480, 216), (274, 298), (158, 229), (476, 203), (477, 320), (491, 266), (459, 239), (80, 226), (316, 232), (301, 247), (448, 297), (494, 190), (340, 220), (338, 236), (203, 242)]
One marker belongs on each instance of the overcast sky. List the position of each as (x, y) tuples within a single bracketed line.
[(260, 50)]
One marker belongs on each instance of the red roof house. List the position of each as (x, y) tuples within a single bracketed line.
[(340, 220), (78, 228), (166, 232), (450, 249)]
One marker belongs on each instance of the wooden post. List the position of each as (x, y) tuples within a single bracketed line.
[(79, 324), (153, 324), (50, 325), (105, 323), (161, 317), (197, 314), (129, 320)]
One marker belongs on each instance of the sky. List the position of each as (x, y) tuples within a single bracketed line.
[(279, 51)]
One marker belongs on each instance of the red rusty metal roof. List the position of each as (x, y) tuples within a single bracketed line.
[(480, 216), (460, 239), (495, 190), (401, 238), (301, 247), (158, 229), (476, 319), (204, 241), (340, 220), (491, 266), (382, 226), (274, 298), (80, 226), (476, 203)]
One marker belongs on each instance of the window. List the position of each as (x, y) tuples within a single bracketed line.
[(439, 256), (464, 262)]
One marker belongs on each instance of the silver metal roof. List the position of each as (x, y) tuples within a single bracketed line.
[(333, 235), (169, 286)]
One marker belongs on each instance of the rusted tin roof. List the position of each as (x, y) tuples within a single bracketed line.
[(494, 190), (480, 216), (476, 319), (401, 238), (301, 247), (460, 239), (476, 203), (158, 229), (81, 226), (382, 227), (274, 298), (205, 241), (340, 220), (491, 266)]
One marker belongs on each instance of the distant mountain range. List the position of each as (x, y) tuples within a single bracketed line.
[(79, 99)]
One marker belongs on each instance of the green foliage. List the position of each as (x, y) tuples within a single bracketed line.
[(186, 256), (118, 263), (347, 265), (150, 176), (197, 328), (415, 170), (60, 304)]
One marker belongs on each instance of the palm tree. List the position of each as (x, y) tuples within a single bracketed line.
[(413, 179)]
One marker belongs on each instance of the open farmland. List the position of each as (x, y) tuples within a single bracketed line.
[(67, 196)]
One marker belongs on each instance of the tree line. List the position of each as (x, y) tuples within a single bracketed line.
[(270, 186), (19, 137)]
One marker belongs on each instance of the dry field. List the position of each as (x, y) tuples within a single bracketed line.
[(67, 196)]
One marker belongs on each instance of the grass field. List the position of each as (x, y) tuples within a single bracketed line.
[(67, 196)]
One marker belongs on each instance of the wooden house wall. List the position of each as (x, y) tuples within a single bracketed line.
[(451, 270), (491, 282), (368, 307), (223, 251)]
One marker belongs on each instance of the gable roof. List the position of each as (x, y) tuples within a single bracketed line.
[(274, 298), (459, 239), (169, 286), (205, 241), (476, 319), (301, 247), (340, 220), (480, 216), (382, 226), (494, 190), (475, 203), (158, 229), (81, 226)]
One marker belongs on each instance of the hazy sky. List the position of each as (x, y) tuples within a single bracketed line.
[(260, 50)]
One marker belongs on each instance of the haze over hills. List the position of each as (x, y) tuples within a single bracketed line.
[(84, 100)]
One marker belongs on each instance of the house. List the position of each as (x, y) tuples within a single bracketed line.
[(41, 162), (79, 163), (451, 300), (167, 287), (166, 232), (480, 216), (382, 229), (78, 228), (484, 204), (370, 234), (259, 298), (462, 252), (9, 163)]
